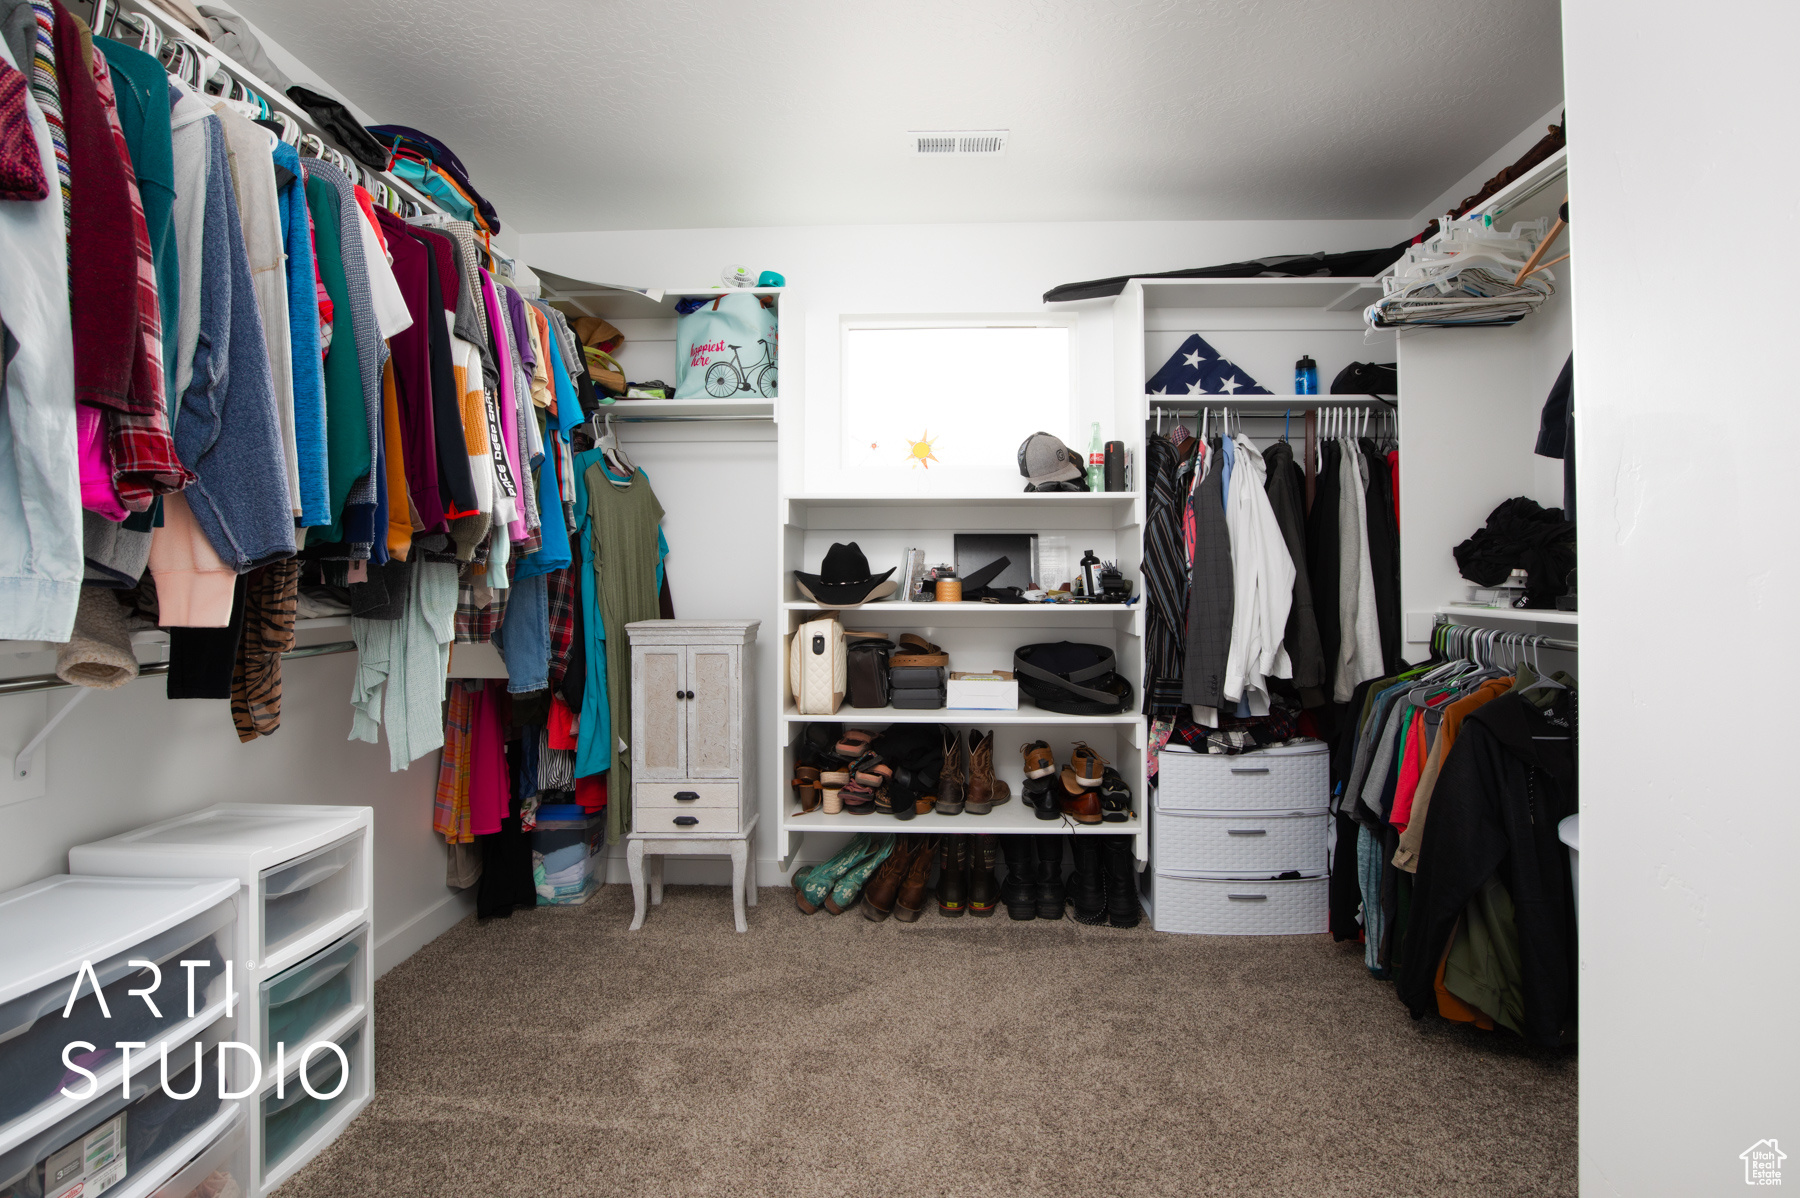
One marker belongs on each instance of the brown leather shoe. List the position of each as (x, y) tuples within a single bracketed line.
[(884, 887), (914, 890), (1078, 802), (986, 792), (1087, 764), (1040, 762), (952, 789)]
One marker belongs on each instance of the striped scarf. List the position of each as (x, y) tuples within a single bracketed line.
[(43, 90)]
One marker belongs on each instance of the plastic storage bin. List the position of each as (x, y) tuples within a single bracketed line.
[(563, 847), (296, 1005), (306, 869), (296, 1125), (305, 896), (126, 1142), (221, 1169), (1239, 906), (1288, 778), (1251, 844), (48, 930)]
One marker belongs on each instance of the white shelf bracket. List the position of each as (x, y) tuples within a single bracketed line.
[(22, 763)]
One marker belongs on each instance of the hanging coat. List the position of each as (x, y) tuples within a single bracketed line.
[(1507, 783)]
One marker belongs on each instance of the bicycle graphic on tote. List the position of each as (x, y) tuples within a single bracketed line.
[(728, 378)]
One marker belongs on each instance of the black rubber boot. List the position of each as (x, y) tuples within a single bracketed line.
[(1019, 889), (1122, 907), (953, 876), (984, 887), (1051, 897), (1087, 885)]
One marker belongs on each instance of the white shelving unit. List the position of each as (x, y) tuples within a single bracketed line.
[(648, 324), (977, 636)]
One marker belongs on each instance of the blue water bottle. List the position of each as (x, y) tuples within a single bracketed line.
[(1306, 376)]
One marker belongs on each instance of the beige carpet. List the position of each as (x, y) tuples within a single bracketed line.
[(556, 1055)]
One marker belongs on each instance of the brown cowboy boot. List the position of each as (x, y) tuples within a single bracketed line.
[(952, 789), (882, 889), (914, 891), (986, 792)]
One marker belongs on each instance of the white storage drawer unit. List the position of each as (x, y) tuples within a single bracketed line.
[(304, 879), (48, 929), (1239, 842), (221, 1169), (308, 869), (295, 1125), (128, 1139)]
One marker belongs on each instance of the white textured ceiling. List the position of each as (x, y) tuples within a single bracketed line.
[(576, 115)]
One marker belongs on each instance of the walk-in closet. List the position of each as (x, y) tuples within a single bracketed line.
[(1029, 599)]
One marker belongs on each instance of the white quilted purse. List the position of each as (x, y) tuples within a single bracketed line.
[(816, 667)]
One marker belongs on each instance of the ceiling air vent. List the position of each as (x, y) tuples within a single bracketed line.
[(958, 143)]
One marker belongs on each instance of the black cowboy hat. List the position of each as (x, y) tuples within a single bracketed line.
[(844, 579)]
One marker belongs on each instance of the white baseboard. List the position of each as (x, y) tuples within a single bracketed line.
[(422, 929)]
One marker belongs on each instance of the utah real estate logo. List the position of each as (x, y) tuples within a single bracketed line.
[(1762, 1163)]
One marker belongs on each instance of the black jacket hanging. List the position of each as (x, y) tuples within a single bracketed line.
[(1507, 783), (1384, 552), (1322, 556)]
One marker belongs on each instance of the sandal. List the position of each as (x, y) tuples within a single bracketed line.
[(806, 787), (831, 785), (858, 798), (854, 744)]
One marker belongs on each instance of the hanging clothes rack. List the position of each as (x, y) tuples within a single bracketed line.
[(48, 682), (1505, 636), (199, 64)]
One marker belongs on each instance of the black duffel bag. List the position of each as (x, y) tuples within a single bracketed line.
[(1072, 678)]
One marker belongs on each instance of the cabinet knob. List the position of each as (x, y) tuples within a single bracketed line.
[(687, 694), (686, 821), (1228, 831), (686, 796)]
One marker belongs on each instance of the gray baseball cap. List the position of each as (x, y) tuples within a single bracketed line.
[(1043, 458)]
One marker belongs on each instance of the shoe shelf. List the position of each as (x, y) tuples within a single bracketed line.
[(1009, 819), (858, 716), (920, 617)]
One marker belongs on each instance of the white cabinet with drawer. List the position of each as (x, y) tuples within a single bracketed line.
[(1238, 842), (690, 733), (692, 753)]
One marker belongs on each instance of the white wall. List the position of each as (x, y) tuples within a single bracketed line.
[(719, 491), (1687, 413), (128, 757)]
